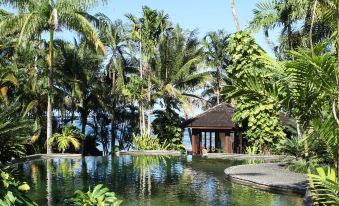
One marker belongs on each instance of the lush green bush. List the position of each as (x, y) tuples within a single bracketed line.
[(12, 192), (15, 132), (146, 142), (252, 150), (99, 196), (324, 187), (167, 126), (70, 136), (294, 146)]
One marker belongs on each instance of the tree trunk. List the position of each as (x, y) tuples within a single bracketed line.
[(112, 131), (312, 24), (235, 15), (113, 106), (337, 7), (84, 115), (50, 87), (149, 105), (218, 84)]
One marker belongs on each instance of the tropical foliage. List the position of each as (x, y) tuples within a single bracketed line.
[(99, 196), (13, 192), (69, 137), (15, 132), (324, 187)]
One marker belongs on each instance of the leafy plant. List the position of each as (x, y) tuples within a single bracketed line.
[(293, 146), (252, 150), (70, 136), (324, 187), (255, 91), (15, 132), (145, 142), (167, 126), (12, 192), (100, 196)]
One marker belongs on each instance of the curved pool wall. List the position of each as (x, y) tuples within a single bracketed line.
[(146, 180)]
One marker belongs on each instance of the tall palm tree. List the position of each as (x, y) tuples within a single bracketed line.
[(148, 30), (215, 44), (235, 15), (300, 21), (177, 74), (115, 39), (36, 17)]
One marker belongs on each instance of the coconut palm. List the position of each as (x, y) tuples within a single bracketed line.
[(148, 31), (115, 39), (35, 17), (235, 15), (217, 59), (289, 15), (177, 74)]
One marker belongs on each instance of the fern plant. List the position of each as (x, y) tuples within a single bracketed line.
[(99, 196), (324, 187)]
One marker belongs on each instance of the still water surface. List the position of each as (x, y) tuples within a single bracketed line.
[(147, 180)]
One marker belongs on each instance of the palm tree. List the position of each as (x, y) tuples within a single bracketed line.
[(177, 73), (69, 136), (289, 15), (36, 17), (148, 30), (235, 15), (215, 44), (115, 39)]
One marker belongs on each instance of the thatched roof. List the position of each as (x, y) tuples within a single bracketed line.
[(217, 117), (220, 117)]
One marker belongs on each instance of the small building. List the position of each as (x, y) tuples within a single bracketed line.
[(215, 131)]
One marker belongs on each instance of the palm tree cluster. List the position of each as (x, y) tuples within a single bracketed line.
[(111, 81)]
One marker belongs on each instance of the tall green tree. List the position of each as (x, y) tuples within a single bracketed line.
[(147, 31), (36, 17), (215, 44)]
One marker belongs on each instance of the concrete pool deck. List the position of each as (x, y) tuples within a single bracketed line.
[(247, 157), (150, 152), (268, 176)]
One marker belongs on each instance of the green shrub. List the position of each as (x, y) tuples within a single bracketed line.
[(70, 136), (12, 192), (15, 132), (146, 142), (252, 150), (303, 166), (293, 146), (100, 196)]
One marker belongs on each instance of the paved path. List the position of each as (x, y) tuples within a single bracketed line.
[(233, 156), (269, 176), (150, 152)]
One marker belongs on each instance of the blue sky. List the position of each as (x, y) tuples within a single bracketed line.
[(205, 15)]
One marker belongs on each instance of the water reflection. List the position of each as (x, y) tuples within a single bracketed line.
[(145, 180)]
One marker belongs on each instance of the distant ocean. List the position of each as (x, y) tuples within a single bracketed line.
[(186, 139)]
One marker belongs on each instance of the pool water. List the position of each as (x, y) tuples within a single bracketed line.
[(146, 180)]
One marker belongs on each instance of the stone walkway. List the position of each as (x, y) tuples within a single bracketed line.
[(269, 176), (150, 152), (233, 156)]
